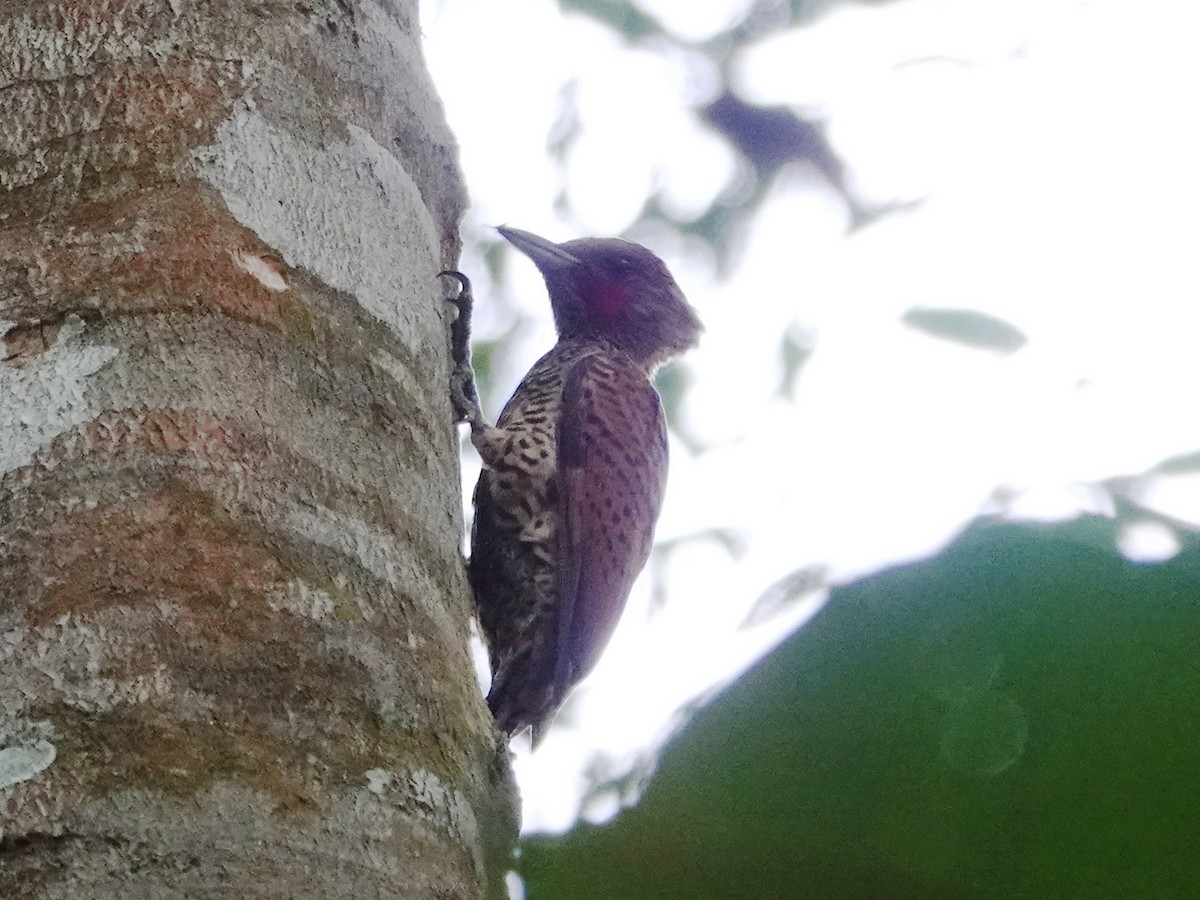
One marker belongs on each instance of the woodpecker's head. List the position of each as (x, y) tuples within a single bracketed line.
[(612, 289)]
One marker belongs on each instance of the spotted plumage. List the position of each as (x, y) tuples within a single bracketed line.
[(574, 473)]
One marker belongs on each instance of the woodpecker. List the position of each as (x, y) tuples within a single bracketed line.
[(573, 471)]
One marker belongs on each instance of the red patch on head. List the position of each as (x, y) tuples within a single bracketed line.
[(608, 299)]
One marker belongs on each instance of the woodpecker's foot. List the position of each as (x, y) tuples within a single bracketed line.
[(464, 396)]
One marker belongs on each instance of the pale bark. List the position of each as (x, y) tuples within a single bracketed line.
[(233, 612)]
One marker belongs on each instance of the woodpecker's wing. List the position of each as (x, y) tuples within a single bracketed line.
[(612, 465)]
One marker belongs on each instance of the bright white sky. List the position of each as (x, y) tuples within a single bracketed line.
[(1056, 144)]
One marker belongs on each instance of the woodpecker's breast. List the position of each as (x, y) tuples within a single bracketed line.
[(520, 451)]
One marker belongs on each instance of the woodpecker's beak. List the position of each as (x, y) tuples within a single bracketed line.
[(546, 255)]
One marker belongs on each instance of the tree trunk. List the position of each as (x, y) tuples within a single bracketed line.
[(233, 612)]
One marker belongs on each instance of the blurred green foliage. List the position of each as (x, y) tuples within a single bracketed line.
[(1018, 717), (622, 17), (966, 326)]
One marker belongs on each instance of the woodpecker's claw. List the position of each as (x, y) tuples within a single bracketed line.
[(464, 284), (464, 396)]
